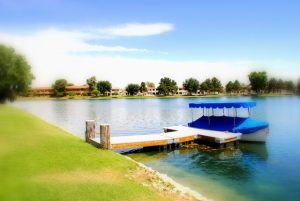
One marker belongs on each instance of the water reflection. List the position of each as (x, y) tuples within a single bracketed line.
[(258, 151), (252, 172), (225, 163)]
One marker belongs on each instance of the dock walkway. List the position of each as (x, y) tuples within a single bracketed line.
[(172, 135)]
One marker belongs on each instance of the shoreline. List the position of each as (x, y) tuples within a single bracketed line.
[(147, 97), (177, 186), (148, 177)]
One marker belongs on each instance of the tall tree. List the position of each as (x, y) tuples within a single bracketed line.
[(191, 85), (298, 86), (143, 87), (167, 86), (290, 86), (59, 87), (216, 85), (92, 82), (280, 85), (104, 87), (132, 89), (229, 87), (272, 85), (236, 86), (15, 74), (150, 85), (206, 86), (258, 81)]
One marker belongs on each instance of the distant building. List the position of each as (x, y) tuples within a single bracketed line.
[(118, 92), (152, 91), (49, 91), (181, 91), (79, 90), (41, 91)]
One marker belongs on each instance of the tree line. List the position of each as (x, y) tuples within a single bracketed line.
[(259, 83), (16, 78)]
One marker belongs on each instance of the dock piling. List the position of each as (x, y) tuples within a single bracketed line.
[(90, 129), (105, 136)]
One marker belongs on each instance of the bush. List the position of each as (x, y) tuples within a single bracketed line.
[(72, 93), (59, 93), (85, 94), (95, 93)]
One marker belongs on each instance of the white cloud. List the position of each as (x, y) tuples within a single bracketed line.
[(138, 29), (49, 55), (58, 41)]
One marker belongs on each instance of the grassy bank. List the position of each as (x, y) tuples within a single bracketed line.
[(41, 162)]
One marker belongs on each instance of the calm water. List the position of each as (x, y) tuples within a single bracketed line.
[(268, 171)]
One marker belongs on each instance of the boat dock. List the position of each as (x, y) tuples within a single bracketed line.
[(172, 136)]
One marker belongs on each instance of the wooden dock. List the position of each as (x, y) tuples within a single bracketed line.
[(176, 135)]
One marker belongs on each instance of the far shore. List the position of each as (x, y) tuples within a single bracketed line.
[(149, 97)]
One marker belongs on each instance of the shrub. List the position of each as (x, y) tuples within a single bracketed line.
[(85, 94), (72, 93), (95, 93)]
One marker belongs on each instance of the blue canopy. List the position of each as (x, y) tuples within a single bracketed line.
[(224, 104)]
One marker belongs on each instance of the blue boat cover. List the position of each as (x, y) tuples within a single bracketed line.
[(231, 124), (224, 104)]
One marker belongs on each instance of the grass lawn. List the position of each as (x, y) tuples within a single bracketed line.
[(39, 161)]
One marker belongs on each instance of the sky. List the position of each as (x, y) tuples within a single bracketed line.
[(143, 40)]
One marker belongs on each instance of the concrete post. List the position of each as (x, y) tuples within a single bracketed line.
[(105, 136), (90, 129)]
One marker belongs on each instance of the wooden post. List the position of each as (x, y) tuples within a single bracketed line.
[(90, 129), (105, 136)]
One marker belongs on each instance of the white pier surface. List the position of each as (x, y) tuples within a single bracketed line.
[(173, 135)]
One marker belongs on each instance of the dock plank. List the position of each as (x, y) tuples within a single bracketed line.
[(177, 134)]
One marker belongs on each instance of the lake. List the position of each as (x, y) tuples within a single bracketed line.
[(268, 171)]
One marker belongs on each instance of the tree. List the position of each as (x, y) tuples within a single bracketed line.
[(290, 86), (59, 87), (272, 85), (258, 81), (132, 89), (95, 93), (216, 85), (150, 85), (191, 85), (236, 86), (279, 85), (167, 86), (15, 74), (206, 86), (229, 87), (298, 87), (92, 82), (104, 87), (143, 87)]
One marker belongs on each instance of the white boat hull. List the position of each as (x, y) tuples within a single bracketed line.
[(258, 136)]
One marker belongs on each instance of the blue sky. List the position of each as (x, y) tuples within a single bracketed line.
[(262, 33)]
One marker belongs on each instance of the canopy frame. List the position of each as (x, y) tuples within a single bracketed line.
[(228, 104)]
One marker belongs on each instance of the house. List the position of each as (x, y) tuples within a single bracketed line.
[(118, 92), (181, 91), (79, 90), (41, 91), (152, 91)]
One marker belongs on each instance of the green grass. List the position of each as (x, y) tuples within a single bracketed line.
[(41, 162)]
